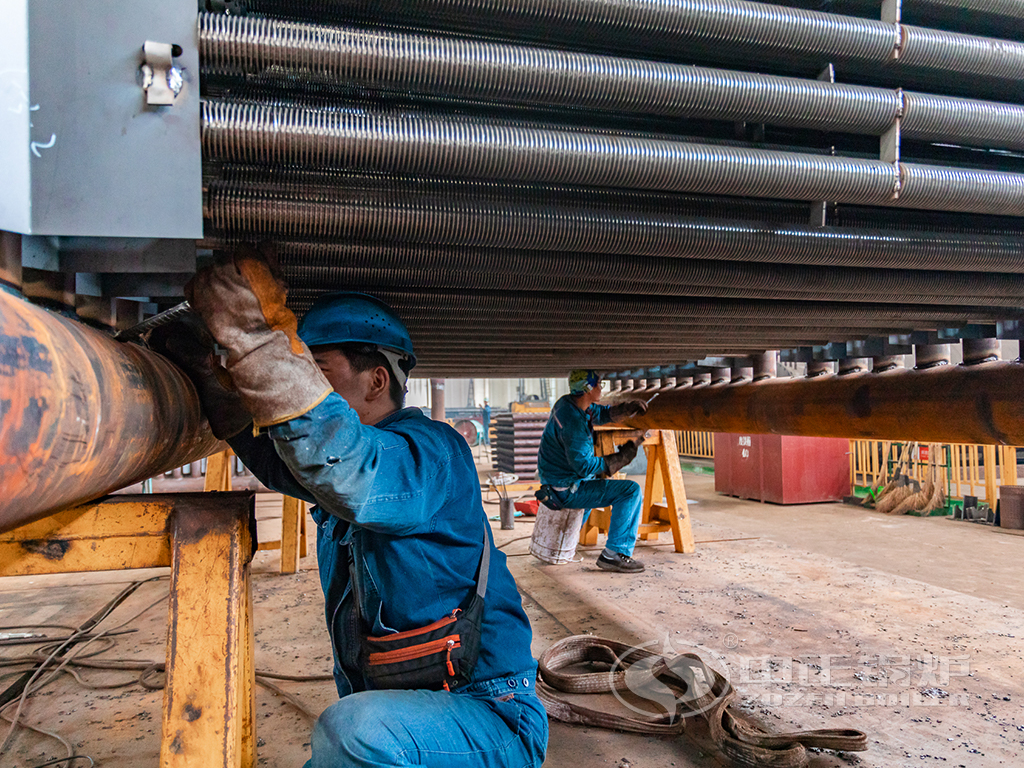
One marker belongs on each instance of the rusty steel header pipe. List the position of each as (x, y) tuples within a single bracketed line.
[(82, 415), (951, 404)]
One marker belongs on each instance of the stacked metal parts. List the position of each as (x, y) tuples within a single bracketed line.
[(518, 441), (542, 184)]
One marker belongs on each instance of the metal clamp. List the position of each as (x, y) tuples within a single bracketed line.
[(161, 79)]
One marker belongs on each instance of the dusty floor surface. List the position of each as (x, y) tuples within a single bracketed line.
[(822, 616)]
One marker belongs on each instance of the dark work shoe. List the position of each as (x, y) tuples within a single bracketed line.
[(619, 563)]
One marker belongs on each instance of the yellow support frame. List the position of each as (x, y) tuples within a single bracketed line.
[(293, 533), (205, 538), (293, 512)]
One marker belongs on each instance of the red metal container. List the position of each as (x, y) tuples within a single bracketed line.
[(782, 469)]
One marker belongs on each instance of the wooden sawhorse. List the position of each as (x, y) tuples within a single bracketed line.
[(664, 503), (205, 538)]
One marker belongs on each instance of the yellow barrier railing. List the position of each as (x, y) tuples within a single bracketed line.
[(700, 445), (971, 470)]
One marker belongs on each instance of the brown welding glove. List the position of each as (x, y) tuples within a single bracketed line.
[(621, 458), (242, 301), (627, 410), (188, 344)]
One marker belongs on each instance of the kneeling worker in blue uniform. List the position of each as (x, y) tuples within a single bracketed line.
[(431, 643), (570, 471)]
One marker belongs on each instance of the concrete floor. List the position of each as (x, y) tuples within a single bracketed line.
[(822, 616)]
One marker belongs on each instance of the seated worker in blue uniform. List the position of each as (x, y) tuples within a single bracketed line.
[(403, 543), (569, 470)]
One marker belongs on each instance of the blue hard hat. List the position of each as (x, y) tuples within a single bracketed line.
[(342, 317), (582, 380)]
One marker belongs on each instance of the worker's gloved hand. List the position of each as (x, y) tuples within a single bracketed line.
[(628, 410), (242, 301), (621, 458), (188, 344)]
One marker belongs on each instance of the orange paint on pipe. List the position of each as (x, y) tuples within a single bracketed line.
[(950, 404), (82, 415)]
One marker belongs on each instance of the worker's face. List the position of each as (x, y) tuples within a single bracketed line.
[(594, 395), (352, 385)]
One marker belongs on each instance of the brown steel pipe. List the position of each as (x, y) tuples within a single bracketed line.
[(949, 404), (82, 415)]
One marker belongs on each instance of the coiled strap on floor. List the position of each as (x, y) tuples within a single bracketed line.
[(695, 688)]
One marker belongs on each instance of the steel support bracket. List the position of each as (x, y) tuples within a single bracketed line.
[(892, 13)]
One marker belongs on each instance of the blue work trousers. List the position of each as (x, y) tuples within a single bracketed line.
[(490, 724), (625, 499)]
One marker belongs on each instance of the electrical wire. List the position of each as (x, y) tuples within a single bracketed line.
[(65, 760), (67, 660), (83, 629), (293, 700), (56, 736), (295, 678), (46, 654), (33, 640), (513, 541)]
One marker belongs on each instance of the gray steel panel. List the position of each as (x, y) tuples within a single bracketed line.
[(99, 161), (88, 254), (15, 178), (153, 285)]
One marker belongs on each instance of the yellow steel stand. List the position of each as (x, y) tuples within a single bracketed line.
[(664, 481), (293, 512), (293, 534), (218, 471), (208, 712)]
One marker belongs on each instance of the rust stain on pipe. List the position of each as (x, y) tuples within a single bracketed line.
[(82, 415), (956, 404)]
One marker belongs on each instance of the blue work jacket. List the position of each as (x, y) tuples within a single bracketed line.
[(566, 455), (403, 497)]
